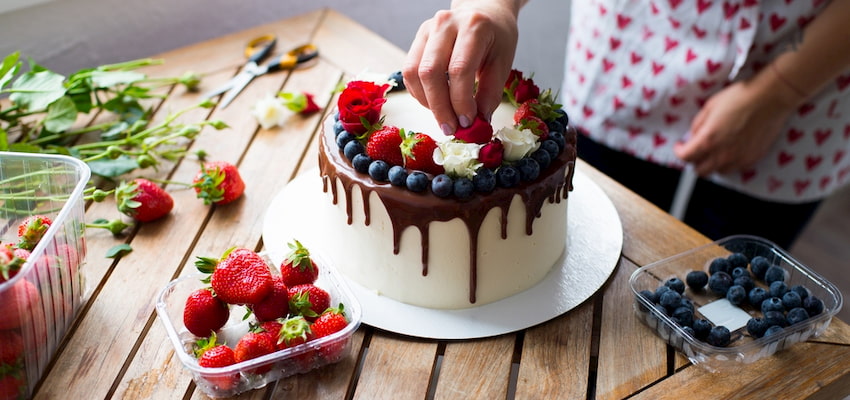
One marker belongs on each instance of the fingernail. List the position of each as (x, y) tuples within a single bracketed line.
[(447, 130), (464, 121)]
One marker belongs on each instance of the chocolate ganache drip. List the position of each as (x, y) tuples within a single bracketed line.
[(406, 208)]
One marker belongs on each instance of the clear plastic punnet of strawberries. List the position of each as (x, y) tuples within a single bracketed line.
[(244, 322)]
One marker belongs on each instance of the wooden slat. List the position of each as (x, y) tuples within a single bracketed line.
[(476, 369), (355, 49), (396, 368)]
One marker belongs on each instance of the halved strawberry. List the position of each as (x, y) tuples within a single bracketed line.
[(385, 144), (298, 268), (418, 152), (143, 200), (240, 276), (308, 300), (204, 313), (31, 230), (218, 182)]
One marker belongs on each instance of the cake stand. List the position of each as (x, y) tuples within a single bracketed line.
[(594, 242)]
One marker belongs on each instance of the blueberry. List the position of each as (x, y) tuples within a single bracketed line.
[(718, 265), (759, 266), (338, 128), (772, 304), (343, 138), (719, 283), (737, 260), (542, 157), (559, 139), (778, 289), (555, 126), (649, 296), (813, 305), (739, 272), (397, 175), (551, 147), (757, 326), (463, 188), (528, 168), (775, 318), (745, 281), (662, 310), (442, 185), (563, 118), (687, 303), (399, 80), (353, 148), (774, 273), (797, 314), (757, 295), (683, 316), (675, 284), (361, 163), (484, 180), (736, 295), (719, 336), (690, 331), (773, 330), (801, 291), (336, 116), (701, 328), (670, 299), (379, 170), (417, 181), (507, 176), (696, 280), (791, 300)]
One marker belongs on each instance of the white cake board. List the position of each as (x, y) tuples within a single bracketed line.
[(594, 242)]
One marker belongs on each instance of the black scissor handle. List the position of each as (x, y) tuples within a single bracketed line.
[(294, 57)]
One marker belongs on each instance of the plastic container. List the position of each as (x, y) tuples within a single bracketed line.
[(743, 348), (239, 378), (40, 302)]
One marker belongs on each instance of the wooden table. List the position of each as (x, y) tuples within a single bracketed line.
[(119, 349)]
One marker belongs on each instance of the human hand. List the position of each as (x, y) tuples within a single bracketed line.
[(734, 129), (474, 41)]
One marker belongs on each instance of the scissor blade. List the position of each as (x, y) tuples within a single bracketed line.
[(219, 90), (238, 84)]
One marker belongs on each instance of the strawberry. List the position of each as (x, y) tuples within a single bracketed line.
[(276, 304), (210, 354), (308, 300), (12, 350), (273, 330), (13, 386), (479, 132), (218, 182), (331, 321), (31, 230), (204, 312), (385, 144), (526, 110), (143, 200), (22, 296), (418, 152), (10, 262), (294, 331), (240, 276), (253, 345), (536, 125), (311, 107), (298, 268)]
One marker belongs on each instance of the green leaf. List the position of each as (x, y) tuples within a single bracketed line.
[(112, 168), (118, 250), (9, 68), (61, 115), (115, 131), (36, 90), (105, 79), (24, 148)]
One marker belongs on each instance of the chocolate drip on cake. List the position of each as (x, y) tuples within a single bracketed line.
[(406, 208)]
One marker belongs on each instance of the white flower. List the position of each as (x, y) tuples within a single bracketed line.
[(518, 143), (270, 112), (457, 158)]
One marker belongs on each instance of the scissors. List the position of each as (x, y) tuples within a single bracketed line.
[(256, 51)]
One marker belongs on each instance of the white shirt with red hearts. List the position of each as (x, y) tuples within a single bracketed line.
[(638, 71)]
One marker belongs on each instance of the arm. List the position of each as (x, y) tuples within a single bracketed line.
[(473, 41), (738, 125)]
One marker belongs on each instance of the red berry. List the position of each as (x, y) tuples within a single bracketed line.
[(14, 301), (479, 132), (331, 321), (204, 313), (241, 276), (31, 230), (385, 144), (276, 304), (213, 355), (308, 300), (218, 182), (143, 200), (298, 268), (10, 262), (253, 345), (525, 110), (418, 152)]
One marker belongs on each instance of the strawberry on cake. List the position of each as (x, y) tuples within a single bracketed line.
[(444, 222)]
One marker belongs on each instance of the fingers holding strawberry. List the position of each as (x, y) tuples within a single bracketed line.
[(218, 182)]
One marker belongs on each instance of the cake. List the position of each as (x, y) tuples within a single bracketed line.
[(481, 230)]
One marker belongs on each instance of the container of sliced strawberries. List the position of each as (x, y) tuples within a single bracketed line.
[(300, 316), (42, 257)]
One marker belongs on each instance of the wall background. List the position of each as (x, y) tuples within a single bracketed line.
[(68, 35)]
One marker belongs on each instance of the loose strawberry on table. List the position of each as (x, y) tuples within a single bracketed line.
[(298, 268), (143, 200), (204, 313), (218, 182), (240, 276)]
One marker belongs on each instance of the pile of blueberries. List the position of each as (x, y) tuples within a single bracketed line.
[(485, 180), (735, 278)]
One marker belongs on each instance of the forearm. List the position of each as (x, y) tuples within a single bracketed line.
[(821, 55)]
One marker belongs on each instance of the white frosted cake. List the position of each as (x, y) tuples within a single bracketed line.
[(447, 251)]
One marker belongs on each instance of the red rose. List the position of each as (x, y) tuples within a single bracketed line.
[(513, 78), (360, 101), (491, 154), (479, 132), (526, 90)]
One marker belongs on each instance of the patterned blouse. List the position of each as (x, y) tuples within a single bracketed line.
[(638, 71)]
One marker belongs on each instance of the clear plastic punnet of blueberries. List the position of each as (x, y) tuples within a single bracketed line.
[(733, 301)]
